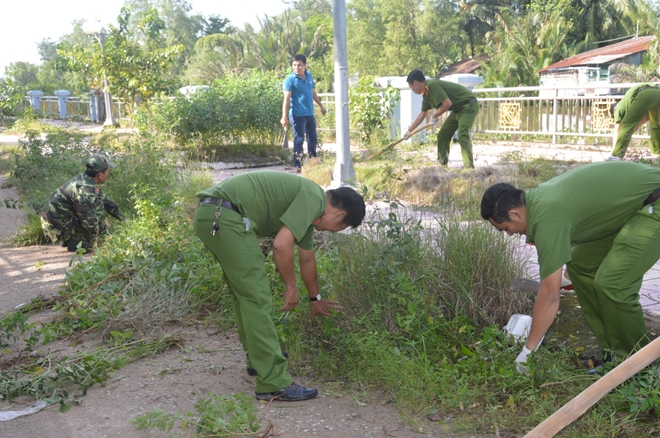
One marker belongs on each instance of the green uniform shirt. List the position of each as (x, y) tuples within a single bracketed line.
[(623, 105), (584, 204), (437, 91), (271, 199)]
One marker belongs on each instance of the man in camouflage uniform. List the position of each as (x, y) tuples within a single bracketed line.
[(74, 212)]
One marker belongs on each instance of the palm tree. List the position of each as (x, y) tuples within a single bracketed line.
[(480, 17)]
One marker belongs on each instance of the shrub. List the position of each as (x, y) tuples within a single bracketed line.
[(371, 109), (453, 269), (237, 109)]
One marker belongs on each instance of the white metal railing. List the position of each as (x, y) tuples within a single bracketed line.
[(571, 110)]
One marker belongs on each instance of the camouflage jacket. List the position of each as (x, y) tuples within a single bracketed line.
[(80, 203)]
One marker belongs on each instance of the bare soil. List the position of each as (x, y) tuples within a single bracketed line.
[(206, 360)]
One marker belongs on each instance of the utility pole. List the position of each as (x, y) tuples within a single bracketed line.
[(343, 174)]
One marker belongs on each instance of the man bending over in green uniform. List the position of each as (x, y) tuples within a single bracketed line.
[(609, 213), (74, 213), (639, 105), (230, 217), (439, 97)]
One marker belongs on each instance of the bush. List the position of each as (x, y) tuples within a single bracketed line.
[(41, 166), (451, 270), (371, 109), (237, 109)]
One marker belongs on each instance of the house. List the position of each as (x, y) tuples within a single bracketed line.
[(466, 66), (594, 66)]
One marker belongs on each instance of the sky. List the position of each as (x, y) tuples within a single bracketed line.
[(27, 22)]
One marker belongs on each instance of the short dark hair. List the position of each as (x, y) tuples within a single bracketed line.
[(93, 173), (499, 199), (350, 201), (300, 57), (416, 75)]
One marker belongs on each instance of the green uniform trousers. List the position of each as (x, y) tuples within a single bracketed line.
[(646, 101), (462, 120), (607, 276), (242, 261)]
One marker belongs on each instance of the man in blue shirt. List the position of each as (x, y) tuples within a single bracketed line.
[(298, 107)]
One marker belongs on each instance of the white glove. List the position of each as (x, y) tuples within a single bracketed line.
[(406, 135), (433, 121), (522, 359)]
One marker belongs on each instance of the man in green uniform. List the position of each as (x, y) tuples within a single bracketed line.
[(638, 106), (230, 217), (74, 213), (442, 96), (609, 214)]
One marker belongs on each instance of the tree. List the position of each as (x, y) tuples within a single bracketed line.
[(270, 47), (523, 46), (23, 75), (480, 17), (391, 37), (216, 24), (306, 8), (135, 71), (602, 20)]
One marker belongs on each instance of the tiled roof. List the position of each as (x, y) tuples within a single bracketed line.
[(604, 54), (464, 66)]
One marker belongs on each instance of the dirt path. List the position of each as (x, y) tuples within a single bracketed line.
[(173, 380)]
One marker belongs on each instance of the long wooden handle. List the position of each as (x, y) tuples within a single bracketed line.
[(587, 398), (391, 145)]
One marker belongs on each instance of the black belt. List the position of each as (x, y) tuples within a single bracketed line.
[(466, 103), (220, 202), (652, 197)]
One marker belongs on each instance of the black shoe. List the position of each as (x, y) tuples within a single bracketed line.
[(291, 393), (608, 364), (72, 246), (252, 372)]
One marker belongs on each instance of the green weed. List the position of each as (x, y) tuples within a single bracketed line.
[(231, 415), (30, 233), (64, 379)]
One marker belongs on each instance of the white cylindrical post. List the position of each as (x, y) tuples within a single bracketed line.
[(343, 174)]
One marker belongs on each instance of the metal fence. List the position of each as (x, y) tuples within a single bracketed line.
[(76, 107), (568, 111), (551, 113), (574, 110)]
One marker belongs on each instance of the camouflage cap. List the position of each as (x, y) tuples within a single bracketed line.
[(98, 163)]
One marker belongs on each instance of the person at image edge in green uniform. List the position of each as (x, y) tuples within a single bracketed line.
[(609, 214), (639, 105), (229, 219), (75, 213), (442, 96)]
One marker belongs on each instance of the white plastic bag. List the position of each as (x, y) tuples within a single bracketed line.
[(10, 415)]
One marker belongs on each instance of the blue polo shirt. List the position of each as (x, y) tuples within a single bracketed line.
[(302, 98)]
